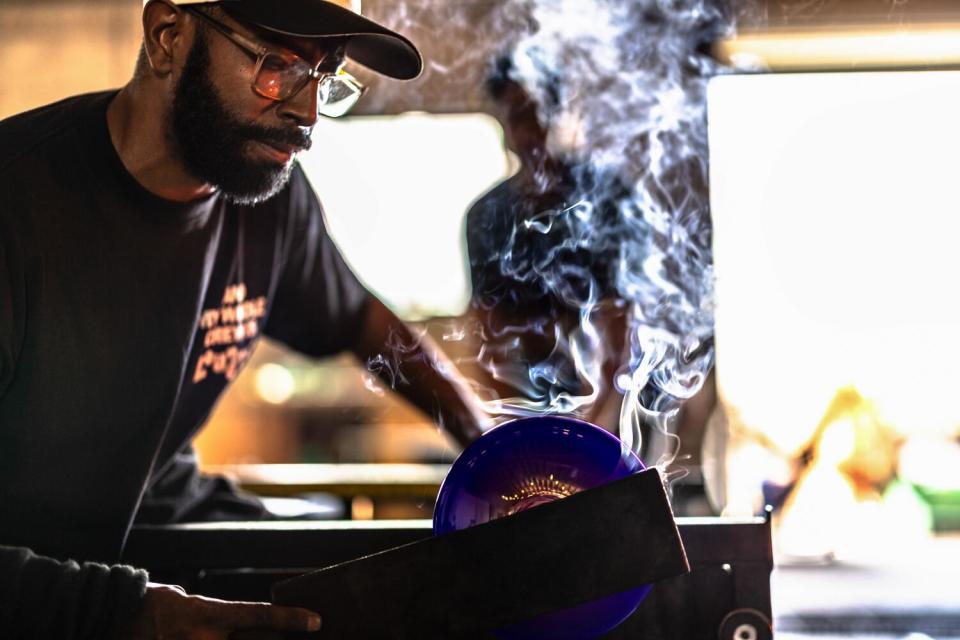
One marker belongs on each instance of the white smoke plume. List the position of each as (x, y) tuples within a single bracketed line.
[(631, 78), (621, 88)]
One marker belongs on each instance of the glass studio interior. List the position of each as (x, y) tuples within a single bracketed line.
[(832, 136)]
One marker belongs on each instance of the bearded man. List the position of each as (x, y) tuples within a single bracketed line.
[(129, 221)]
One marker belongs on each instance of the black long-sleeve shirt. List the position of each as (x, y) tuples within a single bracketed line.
[(44, 598), (123, 317)]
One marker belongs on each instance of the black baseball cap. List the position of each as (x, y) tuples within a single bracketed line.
[(372, 45)]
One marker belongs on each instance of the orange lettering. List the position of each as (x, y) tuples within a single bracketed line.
[(209, 318), (202, 362), (235, 293), (226, 363)]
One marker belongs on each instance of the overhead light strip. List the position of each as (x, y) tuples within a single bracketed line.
[(860, 48)]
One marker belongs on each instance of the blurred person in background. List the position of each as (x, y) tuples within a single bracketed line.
[(148, 237), (536, 266)]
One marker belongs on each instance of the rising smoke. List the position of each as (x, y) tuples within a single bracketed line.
[(627, 107), (632, 78)]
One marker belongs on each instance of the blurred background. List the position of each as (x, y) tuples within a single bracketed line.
[(836, 211), (833, 202)]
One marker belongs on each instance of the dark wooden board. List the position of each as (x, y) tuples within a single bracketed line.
[(463, 584)]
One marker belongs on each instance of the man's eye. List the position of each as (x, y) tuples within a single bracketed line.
[(275, 63)]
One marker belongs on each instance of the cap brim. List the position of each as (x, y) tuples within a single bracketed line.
[(370, 44)]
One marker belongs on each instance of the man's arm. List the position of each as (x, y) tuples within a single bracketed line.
[(44, 598), (417, 369), (321, 308)]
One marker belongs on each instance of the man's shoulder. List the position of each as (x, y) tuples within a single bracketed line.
[(25, 133)]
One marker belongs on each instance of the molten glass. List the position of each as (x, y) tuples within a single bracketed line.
[(525, 463)]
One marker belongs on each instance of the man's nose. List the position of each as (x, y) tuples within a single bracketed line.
[(302, 106)]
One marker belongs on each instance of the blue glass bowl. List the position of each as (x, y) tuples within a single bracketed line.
[(521, 464)]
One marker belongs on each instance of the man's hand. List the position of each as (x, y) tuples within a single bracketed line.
[(168, 613)]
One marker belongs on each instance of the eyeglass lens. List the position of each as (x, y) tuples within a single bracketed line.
[(280, 77), (337, 95)]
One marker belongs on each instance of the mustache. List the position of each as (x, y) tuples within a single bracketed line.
[(279, 136)]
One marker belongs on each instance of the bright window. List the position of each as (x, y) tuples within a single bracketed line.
[(836, 209), (395, 190)]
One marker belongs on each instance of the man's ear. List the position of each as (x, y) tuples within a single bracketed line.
[(165, 34)]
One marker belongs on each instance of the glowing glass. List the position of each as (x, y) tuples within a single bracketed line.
[(280, 76), (527, 462)]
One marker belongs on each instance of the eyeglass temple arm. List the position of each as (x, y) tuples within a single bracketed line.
[(238, 38)]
